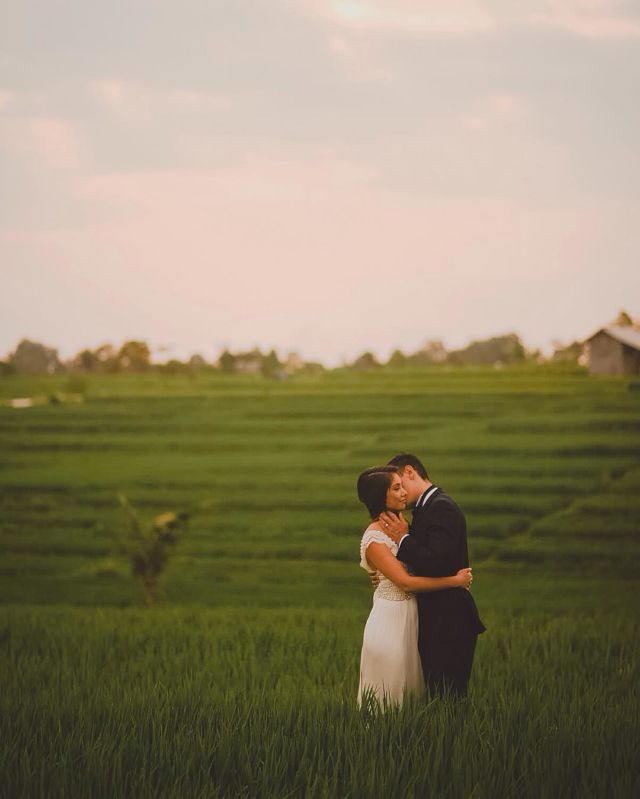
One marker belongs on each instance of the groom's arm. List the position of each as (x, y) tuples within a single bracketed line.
[(427, 548), (425, 555)]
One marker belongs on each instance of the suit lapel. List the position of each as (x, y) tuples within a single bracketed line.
[(431, 494)]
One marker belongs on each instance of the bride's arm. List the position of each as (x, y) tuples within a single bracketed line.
[(379, 556)]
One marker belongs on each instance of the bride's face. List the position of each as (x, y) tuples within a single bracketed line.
[(396, 495)]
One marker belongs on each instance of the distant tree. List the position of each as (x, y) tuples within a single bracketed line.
[(271, 366), (432, 351), (33, 358), (499, 349), (567, 353), (107, 358), (536, 356), (133, 356), (227, 361), (173, 367), (149, 545), (197, 362), (397, 359), (365, 361), (86, 361), (313, 368)]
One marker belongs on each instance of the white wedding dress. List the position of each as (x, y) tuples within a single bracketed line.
[(390, 663)]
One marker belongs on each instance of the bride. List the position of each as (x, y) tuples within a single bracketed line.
[(390, 666)]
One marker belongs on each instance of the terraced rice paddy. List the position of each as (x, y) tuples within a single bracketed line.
[(242, 682)]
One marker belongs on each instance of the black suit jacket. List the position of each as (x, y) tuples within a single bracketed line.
[(437, 547)]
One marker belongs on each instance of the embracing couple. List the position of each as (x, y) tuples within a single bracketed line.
[(422, 630)]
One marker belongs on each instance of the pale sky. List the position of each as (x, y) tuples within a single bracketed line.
[(327, 176)]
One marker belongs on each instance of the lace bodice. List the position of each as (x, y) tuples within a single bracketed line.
[(386, 589)]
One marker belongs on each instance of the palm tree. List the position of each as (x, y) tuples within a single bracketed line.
[(149, 545)]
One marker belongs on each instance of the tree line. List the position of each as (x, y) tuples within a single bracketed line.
[(31, 357), (35, 358)]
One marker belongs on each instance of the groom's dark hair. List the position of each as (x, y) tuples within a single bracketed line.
[(373, 485), (407, 459)]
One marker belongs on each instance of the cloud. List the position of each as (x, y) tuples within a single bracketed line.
[(412, 17), (595, 27), (50, 142), (139, 100), (596, 19), (591, 19), (357, 60), (5, 99), (497, 109)]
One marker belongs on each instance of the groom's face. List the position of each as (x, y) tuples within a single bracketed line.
[(412, 484)]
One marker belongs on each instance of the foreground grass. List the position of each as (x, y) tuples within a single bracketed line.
[(228, 703)]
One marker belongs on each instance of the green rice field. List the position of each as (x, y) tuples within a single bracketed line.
[(241, 682)]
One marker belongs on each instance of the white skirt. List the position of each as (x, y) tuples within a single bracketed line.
[(390, 666)]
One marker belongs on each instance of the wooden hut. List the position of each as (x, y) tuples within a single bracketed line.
[(614, 350)]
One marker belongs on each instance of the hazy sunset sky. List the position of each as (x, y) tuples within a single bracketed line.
[(324, 176)]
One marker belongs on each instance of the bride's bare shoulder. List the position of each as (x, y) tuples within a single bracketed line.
[(374, 527)]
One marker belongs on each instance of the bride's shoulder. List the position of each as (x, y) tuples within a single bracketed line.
[(373, 534)]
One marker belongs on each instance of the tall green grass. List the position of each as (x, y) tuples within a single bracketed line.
[(242, 682), (227, 703)]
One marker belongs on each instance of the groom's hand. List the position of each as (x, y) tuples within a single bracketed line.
[(394, 526)]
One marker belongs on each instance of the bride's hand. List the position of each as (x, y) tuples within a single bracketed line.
[(466, 578)]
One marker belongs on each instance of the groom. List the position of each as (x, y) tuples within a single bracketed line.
[(435, 545)]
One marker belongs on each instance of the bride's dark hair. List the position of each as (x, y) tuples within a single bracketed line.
[(373, 485)]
